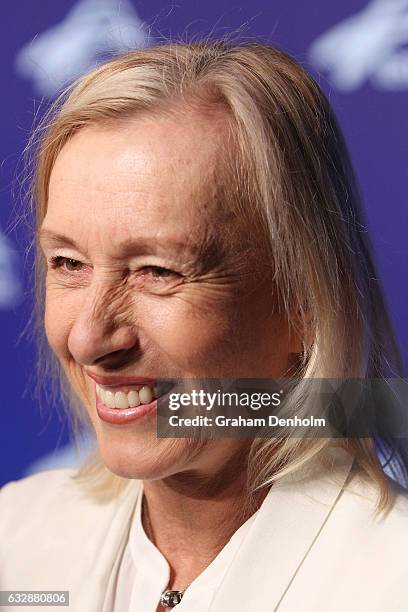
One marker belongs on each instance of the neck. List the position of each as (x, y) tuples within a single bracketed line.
[(191, 516)]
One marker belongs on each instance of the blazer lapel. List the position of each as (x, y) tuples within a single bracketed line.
[(287, 524), (283, 532), (96, 594)]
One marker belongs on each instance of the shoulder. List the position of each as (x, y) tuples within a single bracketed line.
[(47, 518), (53, 490), (49, 483), (43, 490), (56, 492), (357, 559), (361, 493), (357, 517), (55, 502)]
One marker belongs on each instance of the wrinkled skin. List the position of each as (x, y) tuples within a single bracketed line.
[(210, 313)]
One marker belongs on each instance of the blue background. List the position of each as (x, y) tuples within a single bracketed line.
[(363, 68)]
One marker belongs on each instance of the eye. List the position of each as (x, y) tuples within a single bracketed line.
[(66, 263), (157, 272)]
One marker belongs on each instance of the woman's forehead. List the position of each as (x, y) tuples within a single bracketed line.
[(152, 177), (147, 161)]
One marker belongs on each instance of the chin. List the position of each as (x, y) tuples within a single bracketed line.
[(145, 460)]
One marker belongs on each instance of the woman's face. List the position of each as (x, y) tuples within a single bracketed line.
[(167, 282)]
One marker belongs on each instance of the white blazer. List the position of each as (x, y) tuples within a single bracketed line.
[(314, 546)]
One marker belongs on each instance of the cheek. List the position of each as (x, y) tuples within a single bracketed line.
[(229, 338), (59, 316), (185, 326)]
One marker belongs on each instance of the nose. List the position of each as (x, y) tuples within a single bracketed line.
[(102, 332)]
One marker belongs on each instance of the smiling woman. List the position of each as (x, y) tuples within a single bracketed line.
[(197, 218)]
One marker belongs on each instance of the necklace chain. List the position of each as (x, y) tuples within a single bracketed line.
[(169, 598)]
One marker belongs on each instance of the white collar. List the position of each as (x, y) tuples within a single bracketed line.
[(155, 568), (278, 541)]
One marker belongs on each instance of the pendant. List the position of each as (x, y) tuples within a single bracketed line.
[(169, 599)]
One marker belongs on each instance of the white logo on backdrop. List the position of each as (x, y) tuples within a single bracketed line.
[(10, 288), (63, 52), (368, 46)]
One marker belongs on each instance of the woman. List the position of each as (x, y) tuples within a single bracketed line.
[(197, 218)]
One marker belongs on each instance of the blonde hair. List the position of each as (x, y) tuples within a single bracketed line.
[(291, 165)]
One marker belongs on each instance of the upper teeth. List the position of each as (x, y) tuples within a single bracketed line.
[(121, 399)]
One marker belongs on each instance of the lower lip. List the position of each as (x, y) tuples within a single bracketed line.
[(123, 416)]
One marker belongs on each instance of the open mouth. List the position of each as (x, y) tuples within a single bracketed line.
[(131, 396)]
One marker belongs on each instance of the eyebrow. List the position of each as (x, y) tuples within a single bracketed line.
[(46, 235), (141, 246), (129, 245)]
